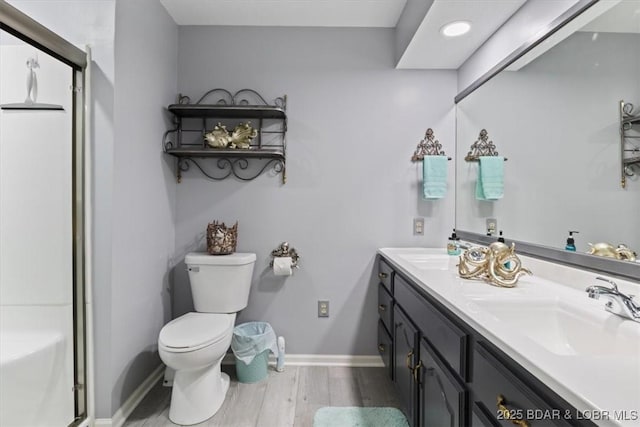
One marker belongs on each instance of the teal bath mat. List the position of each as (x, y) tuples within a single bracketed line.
[(347, 416)]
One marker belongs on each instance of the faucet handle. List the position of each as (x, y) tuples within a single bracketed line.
[(611, 282)]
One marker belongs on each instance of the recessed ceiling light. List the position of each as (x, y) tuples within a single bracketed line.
[(456, 28)]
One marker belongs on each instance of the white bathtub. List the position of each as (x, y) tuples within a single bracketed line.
[(31, 379)]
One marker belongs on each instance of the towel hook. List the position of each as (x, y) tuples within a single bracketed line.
[(429, 146), (482, 147)]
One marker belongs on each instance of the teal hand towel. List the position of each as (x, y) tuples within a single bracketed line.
[(434, 177), (490, 183)]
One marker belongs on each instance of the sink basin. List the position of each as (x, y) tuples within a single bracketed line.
[(426, 261), (565, 329)]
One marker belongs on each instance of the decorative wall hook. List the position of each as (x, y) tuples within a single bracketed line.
[(482, 147), (285, 251), (429, 146)]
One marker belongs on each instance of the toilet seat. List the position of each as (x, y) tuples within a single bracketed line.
[(193, 331)]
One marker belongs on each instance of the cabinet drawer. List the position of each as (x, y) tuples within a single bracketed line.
[(495, 384), (449, 340), (385, 273), (385, 347), (385, 307)]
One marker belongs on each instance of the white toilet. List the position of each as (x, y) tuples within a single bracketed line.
[(195, 343)]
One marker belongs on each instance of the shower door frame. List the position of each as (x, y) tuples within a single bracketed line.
[(28, 30)]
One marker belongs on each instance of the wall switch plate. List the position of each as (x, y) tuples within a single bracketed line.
[(492, 226), (418, 226), (323, 308)]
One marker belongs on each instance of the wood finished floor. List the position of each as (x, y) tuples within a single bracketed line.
[(289, 398)]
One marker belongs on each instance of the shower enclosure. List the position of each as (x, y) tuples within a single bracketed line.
[(42, 263)]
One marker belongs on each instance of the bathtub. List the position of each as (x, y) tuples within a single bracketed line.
[(31, 379)]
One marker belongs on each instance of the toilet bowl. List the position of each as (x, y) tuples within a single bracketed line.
[(194, 344)]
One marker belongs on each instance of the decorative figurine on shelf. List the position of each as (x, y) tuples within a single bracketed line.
[(240, 138), (622, 252), (32, 81), (497, 265), (242, 135), (218, 137)]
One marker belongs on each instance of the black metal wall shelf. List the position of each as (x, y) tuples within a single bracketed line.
[(227, 111), (629, 141), (186, 141)]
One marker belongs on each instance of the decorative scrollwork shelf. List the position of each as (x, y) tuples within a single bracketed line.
[(629, 134), (187, 141)]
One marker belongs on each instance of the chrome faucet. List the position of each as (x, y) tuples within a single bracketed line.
[(618, 303)]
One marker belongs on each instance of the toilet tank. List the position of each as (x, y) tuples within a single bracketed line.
[(220, 283)]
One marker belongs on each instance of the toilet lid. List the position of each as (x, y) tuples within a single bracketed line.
[(195, 330)]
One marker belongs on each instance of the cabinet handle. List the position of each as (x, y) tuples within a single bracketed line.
[(409, 356), (381, 347), (416, 372), (382, 276), (382, 307), (506, 414)]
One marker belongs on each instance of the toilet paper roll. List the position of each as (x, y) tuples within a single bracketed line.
[(282, 266)]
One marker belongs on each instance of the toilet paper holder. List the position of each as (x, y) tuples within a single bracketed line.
[(284, 250)]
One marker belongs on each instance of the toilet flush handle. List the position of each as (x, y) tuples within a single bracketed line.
[(194, 269)]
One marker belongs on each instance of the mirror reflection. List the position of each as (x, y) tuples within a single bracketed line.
[(559, 120)]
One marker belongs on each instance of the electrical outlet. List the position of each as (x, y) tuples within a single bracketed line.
[(492, 226), (418, 226), (323, 308)]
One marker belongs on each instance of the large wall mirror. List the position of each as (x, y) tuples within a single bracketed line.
[(556, 116)]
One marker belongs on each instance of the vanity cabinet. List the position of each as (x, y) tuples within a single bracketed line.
[(448, 374)]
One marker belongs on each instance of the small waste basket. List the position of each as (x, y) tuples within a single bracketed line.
[(251, 344)]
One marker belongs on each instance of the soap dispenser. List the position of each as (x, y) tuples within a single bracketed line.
[(507, 264), (453, 246), (571, 243)]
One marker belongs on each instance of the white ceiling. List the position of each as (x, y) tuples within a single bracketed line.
[(427, 49), (286, 13), (430, 49)]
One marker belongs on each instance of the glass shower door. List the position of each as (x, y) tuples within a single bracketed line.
[(38, 209)]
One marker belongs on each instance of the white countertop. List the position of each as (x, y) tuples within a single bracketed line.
[(597, 369)]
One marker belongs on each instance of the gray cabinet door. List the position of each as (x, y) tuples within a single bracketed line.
[(442, 397), (404, 344)]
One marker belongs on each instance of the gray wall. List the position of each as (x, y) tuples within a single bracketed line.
[(354, 122), (144, 192)]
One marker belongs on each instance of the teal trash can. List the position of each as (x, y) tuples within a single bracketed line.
[(251, 344), (255, 371)]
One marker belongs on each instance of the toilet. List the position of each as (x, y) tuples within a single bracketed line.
[(195, 343)]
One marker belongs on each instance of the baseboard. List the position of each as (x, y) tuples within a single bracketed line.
[(358, 361), (132, 402)]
